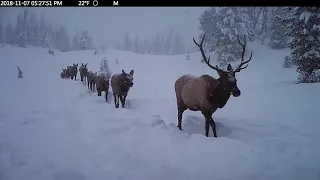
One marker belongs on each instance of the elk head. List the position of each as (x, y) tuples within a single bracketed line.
[(227, 80), (128, 77), (84, 65)]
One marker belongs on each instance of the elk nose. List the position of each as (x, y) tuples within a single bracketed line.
[(236, 93), (131, 84)]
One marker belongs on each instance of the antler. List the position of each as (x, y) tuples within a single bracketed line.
[(239, 68), (207, 60)]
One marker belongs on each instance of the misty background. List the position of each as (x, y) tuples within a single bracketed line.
[(169, 30), (107, 26)]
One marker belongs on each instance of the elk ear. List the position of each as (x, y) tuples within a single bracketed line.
[(73, 64), (123, 72), (82, 64), (132, 72), (86, 65), (77, 64), (229, 68)]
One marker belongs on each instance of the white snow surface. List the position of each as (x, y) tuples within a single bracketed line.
[(55, 129)]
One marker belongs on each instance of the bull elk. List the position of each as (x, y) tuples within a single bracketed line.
[(205, 93)]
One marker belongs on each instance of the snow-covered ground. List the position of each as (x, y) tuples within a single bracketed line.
[(54, 129)]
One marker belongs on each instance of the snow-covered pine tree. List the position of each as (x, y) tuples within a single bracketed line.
[(75, 41), (1, 34), (168, 42), (104, 68), (127, 43), (42, 31), (62, 39), (278, 39), (253, 16), (303, 26), (188, 56), (178, 44), (20, 37), (230, 25), (85, 42), (117, 46), (208, 25), (9, 34), (136, 44), (49, 41), (32, 30)]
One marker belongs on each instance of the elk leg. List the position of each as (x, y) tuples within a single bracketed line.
[(180, 112), (116, 100), (207, 127), (123, 100), (209, 121), (213, 126), (106, 96)]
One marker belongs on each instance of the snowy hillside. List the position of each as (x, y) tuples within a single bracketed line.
[(54, 129)]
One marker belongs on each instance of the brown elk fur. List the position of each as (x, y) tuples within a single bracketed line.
[(91, 80), (121, 84), (102, 84), (73, 70), (205, 93)]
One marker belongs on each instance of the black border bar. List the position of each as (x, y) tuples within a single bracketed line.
[(173, 3)]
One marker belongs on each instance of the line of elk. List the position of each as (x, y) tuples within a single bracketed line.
[(204, 93), (120, 83)]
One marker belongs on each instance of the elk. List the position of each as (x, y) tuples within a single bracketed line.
[(67, 74), (73, 71), (205, 93), (63, 73), (83, 72), (91, 80), (102, 84), (121, 84)]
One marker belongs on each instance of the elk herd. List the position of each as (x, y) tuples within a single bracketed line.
[(205, 93)]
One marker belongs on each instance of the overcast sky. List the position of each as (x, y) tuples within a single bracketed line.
[(107, 25)]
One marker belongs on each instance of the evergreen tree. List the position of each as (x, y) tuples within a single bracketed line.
[(127, 43), (136, 44), (178, 45), (49, 41), (32, 38), (230, 25), (208, 25), (62, 40), (104, 68), (75, 41), (20, 35), (42, 31), (303, 26), (222, 26), (85, 41), (1, 34), (188, 56), (278, 39), (9, 34)]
